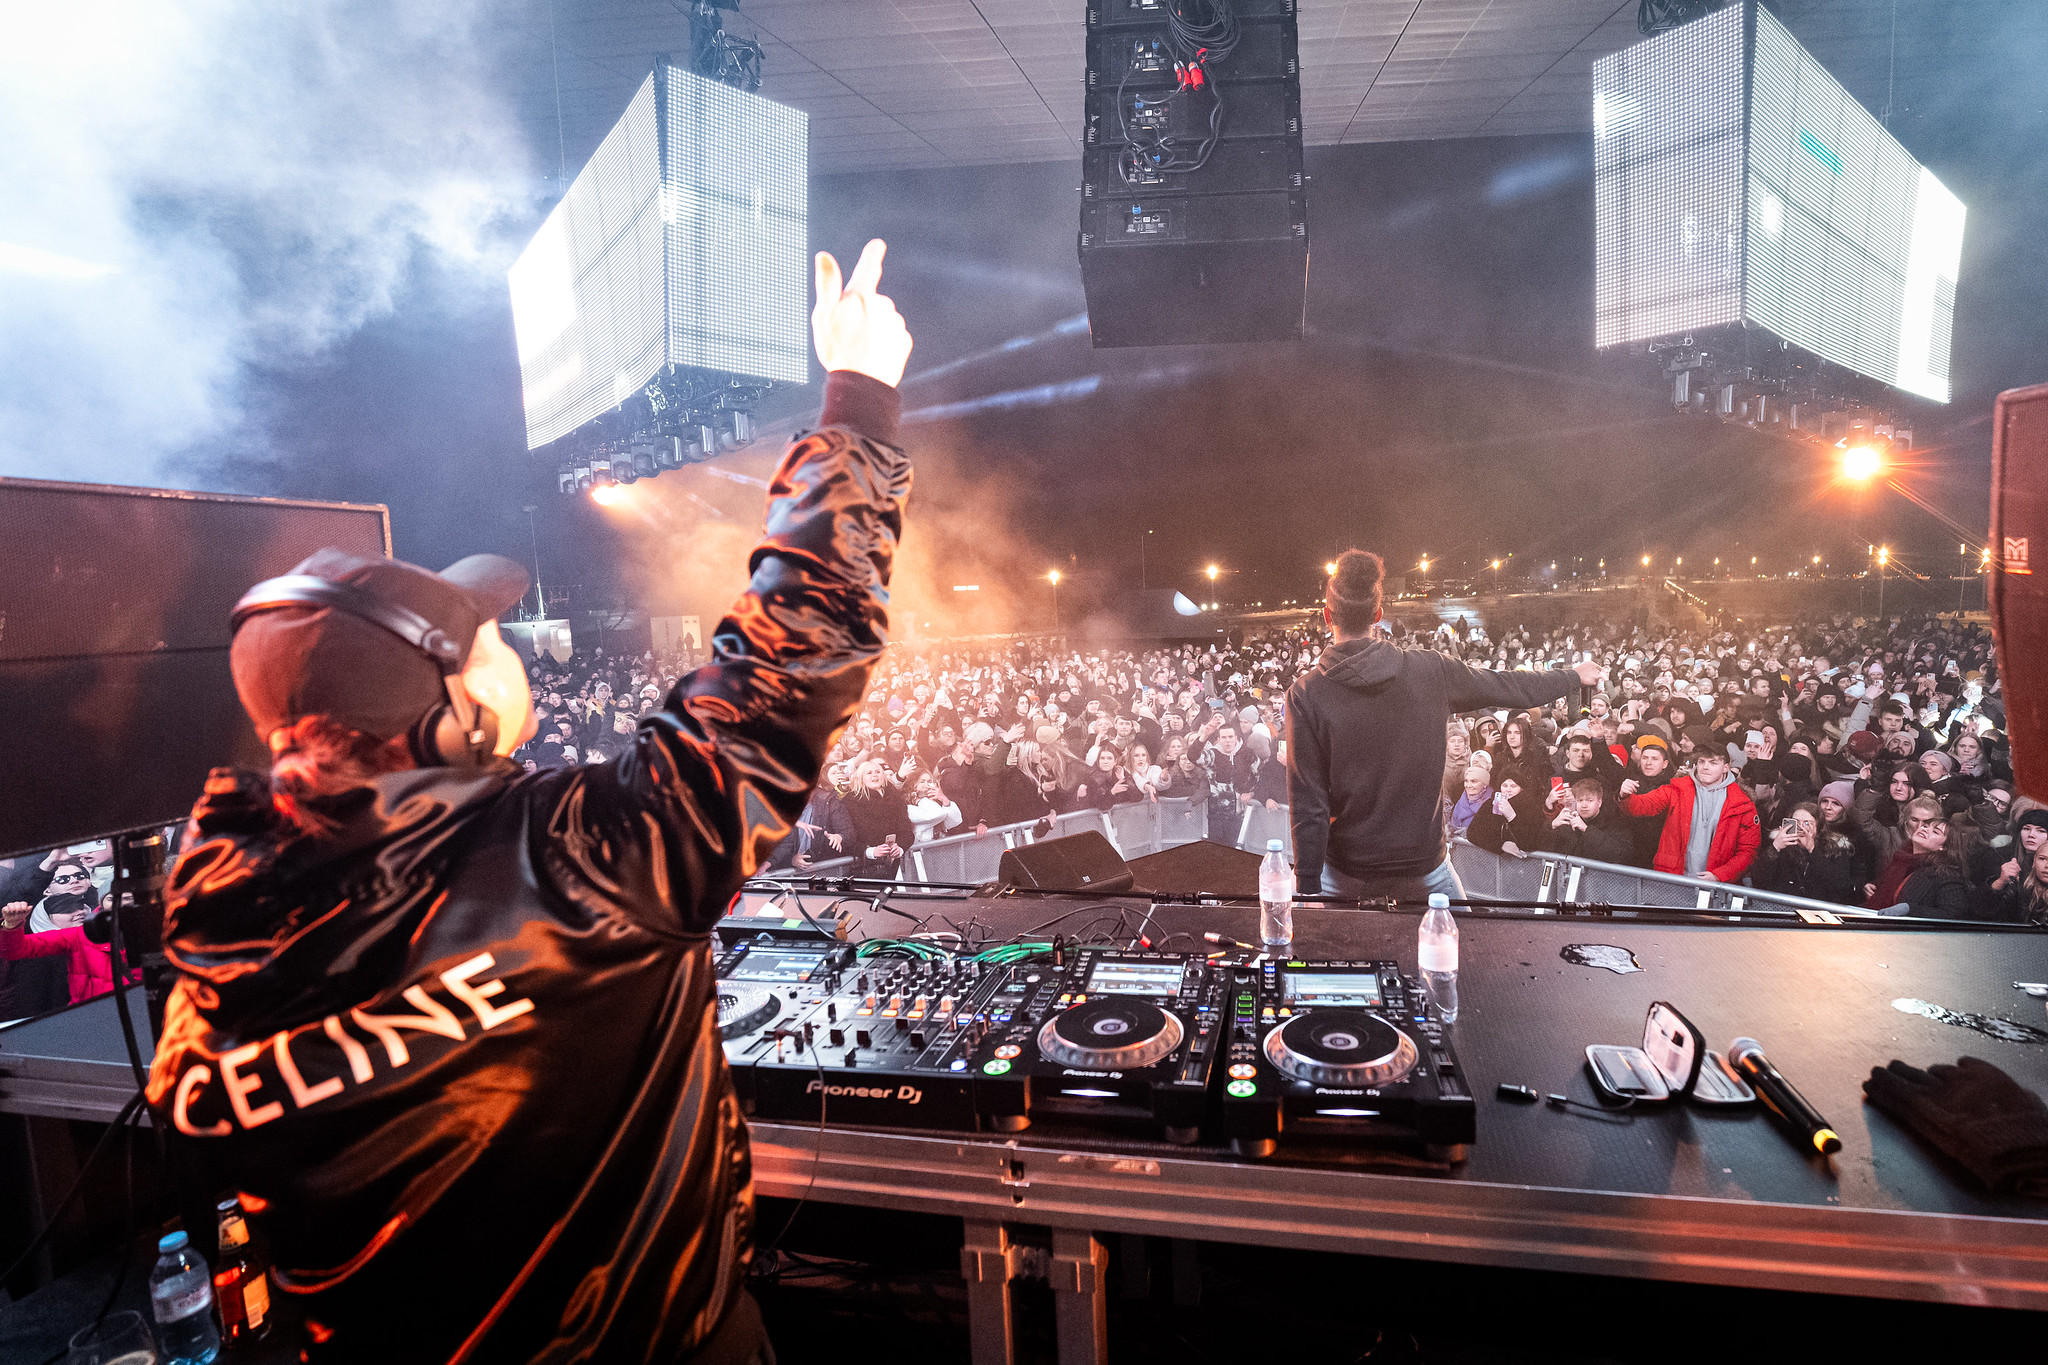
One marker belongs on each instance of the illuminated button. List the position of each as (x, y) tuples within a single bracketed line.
[(1284, 1011), (1066, 996), (1243, 1071), (1239, 1089), (995, 1068), (1266, 1013), (1008, 1050), (917, 1007), (957, 1064)]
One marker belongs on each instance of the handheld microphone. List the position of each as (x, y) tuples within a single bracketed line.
[(1747, 1057)]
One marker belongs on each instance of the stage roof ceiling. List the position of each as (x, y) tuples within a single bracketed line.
[(924, 83)]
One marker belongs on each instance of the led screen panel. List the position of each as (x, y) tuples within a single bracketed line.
[(1853, 245), (1667, 182), (587, 306), (1775, 200), (736, 206)]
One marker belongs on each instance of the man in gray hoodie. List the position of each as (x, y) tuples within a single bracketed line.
[(1365, 747)]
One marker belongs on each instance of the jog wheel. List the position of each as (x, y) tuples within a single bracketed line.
[(1340, 1047), (742, 1010), (1113, 1033)]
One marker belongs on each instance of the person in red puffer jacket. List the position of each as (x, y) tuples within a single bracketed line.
[(90, 970)]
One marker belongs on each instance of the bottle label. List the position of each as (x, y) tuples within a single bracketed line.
[(256, 1299), (180, 1306), (233, 1233), (1438, 957)]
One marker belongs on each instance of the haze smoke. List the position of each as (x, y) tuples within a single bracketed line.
[(201, 191)]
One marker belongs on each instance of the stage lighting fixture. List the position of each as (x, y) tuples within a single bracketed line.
[(565, 479), (681, 247), (608, 494), (1861, 463), (1736, 183)]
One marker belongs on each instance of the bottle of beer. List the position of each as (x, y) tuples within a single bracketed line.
[(241, 1281)]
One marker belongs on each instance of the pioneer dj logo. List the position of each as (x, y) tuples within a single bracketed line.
[(1112, 1075), (908, 1094), (2016, 555)]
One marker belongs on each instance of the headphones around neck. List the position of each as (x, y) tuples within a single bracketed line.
[(456, 733)]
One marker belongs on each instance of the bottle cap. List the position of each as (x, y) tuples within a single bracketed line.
[(172, 1241), (1437, 901), (1275, 846)]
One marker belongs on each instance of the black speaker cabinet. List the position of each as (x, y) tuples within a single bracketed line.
[(1078, 862)]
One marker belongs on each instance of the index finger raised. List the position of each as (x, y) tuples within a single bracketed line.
[(867, 272)]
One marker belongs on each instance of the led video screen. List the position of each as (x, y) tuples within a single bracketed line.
[(587, 293), (684, 241), (1793, 209), (1853, 245), (1667, 182), (737, 196)]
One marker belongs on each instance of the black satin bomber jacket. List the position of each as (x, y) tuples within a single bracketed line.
[(463, 1049)]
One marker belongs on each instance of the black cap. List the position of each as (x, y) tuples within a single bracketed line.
[(320, 660)]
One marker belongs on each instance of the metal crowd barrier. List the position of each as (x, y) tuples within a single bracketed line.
[(1135, 829), (1561, 878)]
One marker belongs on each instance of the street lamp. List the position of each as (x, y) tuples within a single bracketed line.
[(1054, 579), (1212, 571), (1329, 569), (1646, 561), (1884, 557), (1424, 565)]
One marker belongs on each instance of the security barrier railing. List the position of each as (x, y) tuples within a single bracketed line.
[(1135, 829), (1561, 878)]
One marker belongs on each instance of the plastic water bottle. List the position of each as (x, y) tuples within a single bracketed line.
[(181, 1298), (1276, 898), (1436, 949)]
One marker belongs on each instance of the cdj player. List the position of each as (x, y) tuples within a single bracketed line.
[(1339, 1051), (1107, 1036)]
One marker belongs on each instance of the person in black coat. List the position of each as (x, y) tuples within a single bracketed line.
[(881, 822), (1650, 770), (1801, 858), (1580, 828), (1511, 823)]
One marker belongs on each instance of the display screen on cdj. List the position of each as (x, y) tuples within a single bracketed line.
[(1331, 988), (782, 965), (1160, 979)]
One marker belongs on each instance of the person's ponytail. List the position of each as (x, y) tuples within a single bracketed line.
[(315, 757)]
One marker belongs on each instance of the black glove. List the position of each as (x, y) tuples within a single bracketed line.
[(1987, 1121)]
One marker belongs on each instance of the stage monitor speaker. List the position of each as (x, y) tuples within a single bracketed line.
[(1078, 862), (114, 645), (1194, 225), (2019, 591)]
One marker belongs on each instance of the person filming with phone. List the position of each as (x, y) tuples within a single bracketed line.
[(452, 1022)]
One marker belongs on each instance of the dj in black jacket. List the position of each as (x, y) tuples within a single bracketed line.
[(452, 1025), (1365, 747)]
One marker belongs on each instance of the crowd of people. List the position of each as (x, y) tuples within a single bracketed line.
[(1853, 763)]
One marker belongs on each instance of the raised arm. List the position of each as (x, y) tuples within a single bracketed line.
[(720, 771)]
